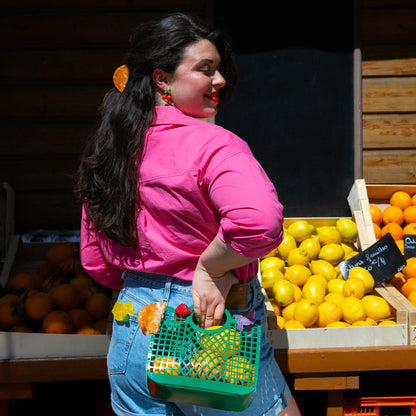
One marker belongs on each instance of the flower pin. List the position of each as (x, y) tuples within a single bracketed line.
[(182, 311), (121, 311), (243, 321)]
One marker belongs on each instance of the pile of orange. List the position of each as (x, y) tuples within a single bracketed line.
[(405, 281), (58, 298), (398, 218)]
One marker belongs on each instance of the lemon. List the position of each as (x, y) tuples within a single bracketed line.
[(288, 243), (376, 307), (328, 313), (165, 365), (385, 323), (314, 292), (287, 311), (362, 323), (348, 230), (272, 263), (297, 256), (348, 248), (354, 287), (333, 253), (334, 298), (283, 292), (297, 293), (320, 279), (273, 253), (351, 255), (292, 324), (338, 324), (269, 278), (311, 246), (336, 286), (353, 310), (365, 276), (306, 312), (323, 267), (328, 234), (372, 322), (275, 306), (280, 322), (301, 230), (297, 274)]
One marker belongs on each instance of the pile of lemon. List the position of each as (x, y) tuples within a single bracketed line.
[(305, 285)]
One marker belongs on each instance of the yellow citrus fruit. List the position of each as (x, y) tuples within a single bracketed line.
[(297, 256), (328, 313), (293, 324), (306, 312), (348, 248), (239, 371), (207, 365), (165, 365), (273, 253), (226, 342), (283, 292), (376, 307), (353, 310), (314, 292), (333, 253), (301, 230), (269, 278), (323, 267), (311, 246), (354, 287), (362, 323), (288, 243), (328, 234), (372, 322), (351, 254), (287, 311), (347, 229), (336, 286), (335, 297), (275, 306), (274, 263), (365, 276), (387, 323), (338, 324), (297, 274), (280, 322), (320, 279), (297, 296)]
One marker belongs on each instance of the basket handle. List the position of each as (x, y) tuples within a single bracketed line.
[(228, 320)]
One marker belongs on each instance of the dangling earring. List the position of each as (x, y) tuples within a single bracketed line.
[(168, 97)]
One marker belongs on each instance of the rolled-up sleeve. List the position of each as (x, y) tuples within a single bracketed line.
[(251, 214)]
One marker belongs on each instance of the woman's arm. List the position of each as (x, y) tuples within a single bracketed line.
[(213, 279)]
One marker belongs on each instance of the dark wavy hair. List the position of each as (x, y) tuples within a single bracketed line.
[(107, 175)]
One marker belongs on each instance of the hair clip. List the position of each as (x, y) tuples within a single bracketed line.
[(120, 77)]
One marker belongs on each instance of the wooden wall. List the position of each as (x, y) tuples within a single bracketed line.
[(388, 38), (58, 58)]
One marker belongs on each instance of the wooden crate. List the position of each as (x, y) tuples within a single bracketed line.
[(27, 257)]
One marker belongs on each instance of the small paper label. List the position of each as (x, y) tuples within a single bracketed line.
[(383, 260)]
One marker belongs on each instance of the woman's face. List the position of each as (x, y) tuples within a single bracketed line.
[(196, 82)]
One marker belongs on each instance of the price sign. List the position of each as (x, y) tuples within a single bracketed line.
[(409, 245), (383, 260)]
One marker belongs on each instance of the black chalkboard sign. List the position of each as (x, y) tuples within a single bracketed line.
[(383, 260), (409, 245)]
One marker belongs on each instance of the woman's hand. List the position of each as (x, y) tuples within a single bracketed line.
[(209, 295)]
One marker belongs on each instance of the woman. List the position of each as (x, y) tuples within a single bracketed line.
[(176, 209)]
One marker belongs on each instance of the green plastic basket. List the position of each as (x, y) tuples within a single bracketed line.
[(212, 368)]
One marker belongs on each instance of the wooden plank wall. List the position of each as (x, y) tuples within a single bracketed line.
[(58, 58), (388, 39)]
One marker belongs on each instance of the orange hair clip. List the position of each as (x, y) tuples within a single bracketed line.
[(120, 77)]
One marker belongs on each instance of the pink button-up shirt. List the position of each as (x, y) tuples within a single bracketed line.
[(196, 180)]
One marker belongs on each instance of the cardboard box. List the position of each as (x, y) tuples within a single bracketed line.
[(27, 257), (341, 337)]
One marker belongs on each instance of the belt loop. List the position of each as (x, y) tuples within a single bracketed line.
[(168, 286)]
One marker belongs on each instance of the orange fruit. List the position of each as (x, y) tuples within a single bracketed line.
[(400, 199), (377, 231), (58, 253), (410, 214), (80, 318), (98, 305), (43, 270), (65, 297), (11, 314), (8, 297), (69, 266), (87, 292), (394, 229), (400, 245), (410, 269), (38, 305), (412, 297), (376, 214), (150, 316), (413, 200), (393, 214), (80, 282), (22, 281), (101, 325), (57, 322), (408, 286), (88, 330), (410, 228)]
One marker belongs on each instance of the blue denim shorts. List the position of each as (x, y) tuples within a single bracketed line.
[(128, 353)]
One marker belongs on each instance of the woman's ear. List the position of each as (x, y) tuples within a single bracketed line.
[(160, 78)]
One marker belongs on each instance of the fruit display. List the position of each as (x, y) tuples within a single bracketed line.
[(58, 298), (304, 284)]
